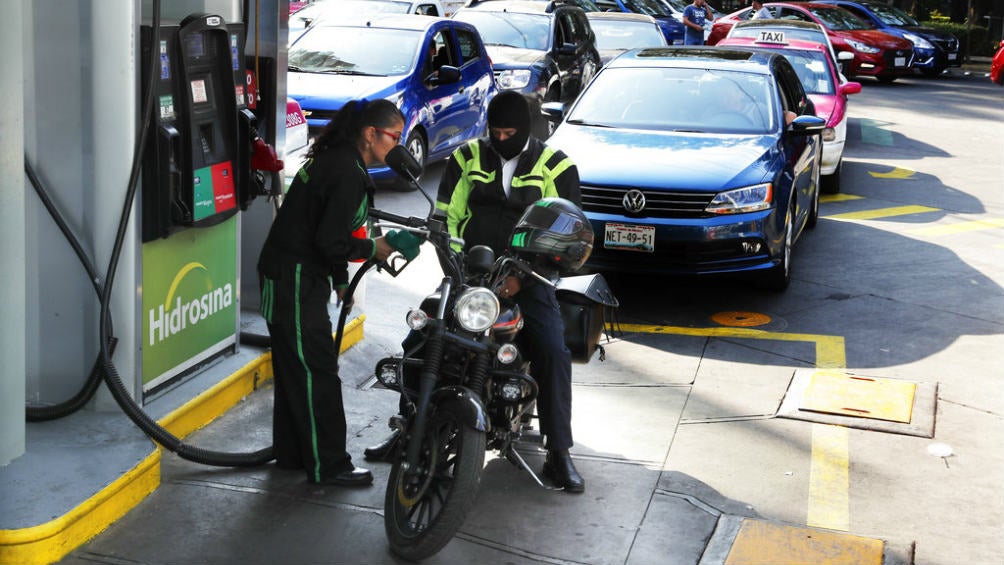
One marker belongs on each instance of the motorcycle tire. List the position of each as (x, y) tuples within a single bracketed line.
[(422, 514)]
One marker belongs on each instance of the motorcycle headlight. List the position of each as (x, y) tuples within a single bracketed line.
[(740, 200), (477, 309), (514, 79), (862, 47)]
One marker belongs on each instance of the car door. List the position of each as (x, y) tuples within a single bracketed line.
[(444, 109), (803, 151), (574, 52)]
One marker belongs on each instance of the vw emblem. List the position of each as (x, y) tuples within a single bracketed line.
[(634, 200)]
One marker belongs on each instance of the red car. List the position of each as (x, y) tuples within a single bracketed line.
[(826, 87), (876, 53), (997, 65)]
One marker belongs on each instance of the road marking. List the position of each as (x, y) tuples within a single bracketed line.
[(960, 227), (882, 213), (829, 475), (873, 133), (839, 197), (896, 173)]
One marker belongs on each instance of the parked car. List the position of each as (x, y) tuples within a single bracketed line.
[(876, 53), (438, 74), (696, 169), (934, 50), (311, 13), (297, 140), (997, 65), (670, 21), (678, 5), (617, 32), (544, 49), (765, 29), (825, 86)]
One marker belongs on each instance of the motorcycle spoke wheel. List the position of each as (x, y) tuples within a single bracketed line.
[(422, 512)]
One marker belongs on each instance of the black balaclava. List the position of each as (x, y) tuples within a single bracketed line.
[(509, 110)]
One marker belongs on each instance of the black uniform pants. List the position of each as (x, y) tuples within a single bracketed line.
[(308, 423)]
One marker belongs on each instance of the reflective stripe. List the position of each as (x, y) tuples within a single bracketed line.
[(267, 299), (310, 376)]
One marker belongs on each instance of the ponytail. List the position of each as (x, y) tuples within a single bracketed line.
[(348, 123)]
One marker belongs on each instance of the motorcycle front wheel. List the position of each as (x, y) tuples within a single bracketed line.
[(423, 511)]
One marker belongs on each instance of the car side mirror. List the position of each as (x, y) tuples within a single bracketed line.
[(850, 88), (845, 56), (566, 49), (445, 75), (553, 111), (807, 125)]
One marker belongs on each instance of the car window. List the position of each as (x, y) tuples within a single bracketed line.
[(793, 97), (525, 31), (654, 8), (839, 19), (352, 50), (469, 47), (790, 14), (438, 53), (673, 99), (812, 70), (626, 35), (427, 10), (891, 15)]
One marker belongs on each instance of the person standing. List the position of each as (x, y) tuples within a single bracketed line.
[(315, 233), (760, 12), (694, 17)]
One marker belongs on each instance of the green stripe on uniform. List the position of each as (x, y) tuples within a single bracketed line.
[(310, 378)]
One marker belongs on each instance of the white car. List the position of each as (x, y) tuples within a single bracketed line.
[(322, 9)]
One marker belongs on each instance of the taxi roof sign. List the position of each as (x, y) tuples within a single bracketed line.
[(769, 36)]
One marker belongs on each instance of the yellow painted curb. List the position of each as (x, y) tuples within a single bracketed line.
[(50, 542)]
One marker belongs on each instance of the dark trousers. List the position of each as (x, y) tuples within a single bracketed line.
[(542, 341), (308, 418)]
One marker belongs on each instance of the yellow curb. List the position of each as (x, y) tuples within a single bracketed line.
[(50, 542)]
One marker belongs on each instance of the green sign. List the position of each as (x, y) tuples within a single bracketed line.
[(189, 299)]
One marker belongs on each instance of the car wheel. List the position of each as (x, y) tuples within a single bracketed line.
[(779, 277), (831, 183), (416, 146)]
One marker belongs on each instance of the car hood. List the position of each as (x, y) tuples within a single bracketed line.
[(315, 91), (826, 106), (659, 159), (878, 38), (929, 32), (503, 56)]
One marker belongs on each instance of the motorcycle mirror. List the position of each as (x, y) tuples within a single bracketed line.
[(403, 163)]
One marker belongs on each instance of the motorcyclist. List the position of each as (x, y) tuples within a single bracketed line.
[(486, 186)]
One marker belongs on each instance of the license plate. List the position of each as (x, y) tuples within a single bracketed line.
[(899, 61), (953, 56), (629, 237)]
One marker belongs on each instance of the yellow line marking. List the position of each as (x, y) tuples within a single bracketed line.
[(828, 505), (839, 197), (896, 173), (882, 213), (763, 543), (961, 227)]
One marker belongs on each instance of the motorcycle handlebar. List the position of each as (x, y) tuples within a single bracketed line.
[(410, 221)]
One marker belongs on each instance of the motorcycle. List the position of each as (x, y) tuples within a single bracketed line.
[(462, 380)]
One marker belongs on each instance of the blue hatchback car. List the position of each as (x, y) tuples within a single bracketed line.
[(695, 160), (435, 69), (934, 49), (669, 21)]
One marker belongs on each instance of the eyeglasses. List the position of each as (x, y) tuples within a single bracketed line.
[(392, 135)]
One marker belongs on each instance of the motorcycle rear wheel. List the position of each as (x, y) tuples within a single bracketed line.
[(422, 513)]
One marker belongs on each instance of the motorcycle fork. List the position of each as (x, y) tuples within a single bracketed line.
[(427, 380)]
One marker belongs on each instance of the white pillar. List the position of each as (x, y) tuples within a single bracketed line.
[(13, 186)]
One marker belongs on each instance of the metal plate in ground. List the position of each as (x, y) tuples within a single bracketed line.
[(764, 543), (864, 397), (922, 409)]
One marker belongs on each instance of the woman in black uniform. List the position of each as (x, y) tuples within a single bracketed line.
[(316, 232)]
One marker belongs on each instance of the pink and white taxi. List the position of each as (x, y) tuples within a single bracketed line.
[(826, 87)]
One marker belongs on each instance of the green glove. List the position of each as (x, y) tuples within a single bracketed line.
[(407, 243)]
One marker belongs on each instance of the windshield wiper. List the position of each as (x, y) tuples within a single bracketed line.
[(350, 72), (581, 122), (294, 68)]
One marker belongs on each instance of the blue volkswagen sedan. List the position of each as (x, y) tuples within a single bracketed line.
[(435, 69), (695, 160)]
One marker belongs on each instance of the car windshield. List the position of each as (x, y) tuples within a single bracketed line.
[(812, 71), (626, 35), (678, 99), (839, 19), (512, 29), (355, 50), (891, 15), (654, 8)]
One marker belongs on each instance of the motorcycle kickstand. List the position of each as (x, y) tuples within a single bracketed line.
[(514, 457)]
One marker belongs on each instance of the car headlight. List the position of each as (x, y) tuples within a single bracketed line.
[(514, 79), (477, 309), (918, 41), (740, 200), (862, 47), (829, 134)]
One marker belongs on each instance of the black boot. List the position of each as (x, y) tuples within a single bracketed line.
[(383, 450), (559, 468)]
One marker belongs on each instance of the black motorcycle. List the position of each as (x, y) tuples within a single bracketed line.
[(463, 382)]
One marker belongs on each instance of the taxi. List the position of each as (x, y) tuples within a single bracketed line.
[(825, 86)]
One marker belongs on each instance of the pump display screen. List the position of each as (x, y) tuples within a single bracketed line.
[(195, 45)]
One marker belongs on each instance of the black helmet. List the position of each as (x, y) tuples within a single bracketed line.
[(555, 230)]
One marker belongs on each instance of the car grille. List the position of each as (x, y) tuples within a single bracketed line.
[(693, 257), (891, 54), (658, 203), (947, 45)]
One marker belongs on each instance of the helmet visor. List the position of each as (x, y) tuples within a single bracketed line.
[(552, 220)]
